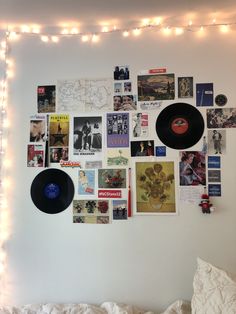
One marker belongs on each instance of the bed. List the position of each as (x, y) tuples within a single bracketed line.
[(214, 292)]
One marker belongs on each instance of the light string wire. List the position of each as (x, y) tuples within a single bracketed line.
[(4, 211), (71, 32)]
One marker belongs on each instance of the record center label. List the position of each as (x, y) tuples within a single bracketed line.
[(52, 190), (179, 126)]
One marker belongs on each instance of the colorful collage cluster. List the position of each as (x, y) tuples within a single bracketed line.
[(116, 133)]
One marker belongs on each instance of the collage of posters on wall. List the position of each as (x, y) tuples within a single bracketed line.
[(104, 127)]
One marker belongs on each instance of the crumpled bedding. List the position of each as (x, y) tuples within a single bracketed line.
[(54, 308), (178, 307)]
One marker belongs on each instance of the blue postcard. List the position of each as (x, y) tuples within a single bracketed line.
[(214, 162), (204, 94), (160, 151), (214, 189)]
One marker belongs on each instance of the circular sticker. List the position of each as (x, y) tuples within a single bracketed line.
[(221, 100)]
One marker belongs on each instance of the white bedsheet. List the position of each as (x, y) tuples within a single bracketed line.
[(178, 307)]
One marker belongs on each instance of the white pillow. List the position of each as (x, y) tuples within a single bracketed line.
[(214, 290)]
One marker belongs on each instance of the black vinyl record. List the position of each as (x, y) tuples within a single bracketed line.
[(52, 191), (180, 126)]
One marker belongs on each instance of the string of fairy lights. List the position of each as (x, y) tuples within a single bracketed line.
[(15, 33)]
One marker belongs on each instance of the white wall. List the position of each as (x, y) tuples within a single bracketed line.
[(147, 261)]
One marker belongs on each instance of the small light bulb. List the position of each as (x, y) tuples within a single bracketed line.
[(65, 31), (74, 31), (224, 29), (85, 38), (146, 22), (105, 29), (44, 38), (54, 39), (95, 38), (166, 31), (25, 29), (136, 32), (179, 31), (125, 33)]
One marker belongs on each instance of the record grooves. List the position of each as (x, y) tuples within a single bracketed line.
[(180, 126), (52, 191)]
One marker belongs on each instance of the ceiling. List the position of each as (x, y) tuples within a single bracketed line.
[(89, 13)]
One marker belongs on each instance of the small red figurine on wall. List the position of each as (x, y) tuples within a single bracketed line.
[(205, 204)]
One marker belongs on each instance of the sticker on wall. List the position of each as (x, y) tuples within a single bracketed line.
[(160, 151), (112, 178), (121, 72), (87, 135), (204, 94), (156, 87), (35, 156), (192, 168), (86, 184), (93, 164), (221, 118), (214, 175), (221, 100), (155, 188), (214, 162), (109, 193), (46, 98), (140, 124), (185, 87), (216, 142), (118, 130), (118, 157), (91, 211), (119, 209), (124, 103), (142, 148), (214, 189), (150, 105)]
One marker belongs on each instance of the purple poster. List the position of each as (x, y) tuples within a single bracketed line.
[(118, 130)]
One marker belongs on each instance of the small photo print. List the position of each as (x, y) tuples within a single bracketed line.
[(127, 87), (142, 148), (214, 162), (160, 151), (204, 94), (38, 128), (119, 208), (46, 98), (214, 189), (87, 135), (214, 176), (124, 103), (185, 87), (216, 142), (118, 88), (121, 72), (58, 153), (93, 164), (221, 118), (112, 178), (35, 155), (192, 168), (156, 87), (118, 157), (140, 124), (91, 211), (86, 182)]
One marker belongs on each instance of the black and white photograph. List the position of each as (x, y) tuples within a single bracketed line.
[(185, 87), (87, 135), (221, 118), (216, 142), (142, 148)]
